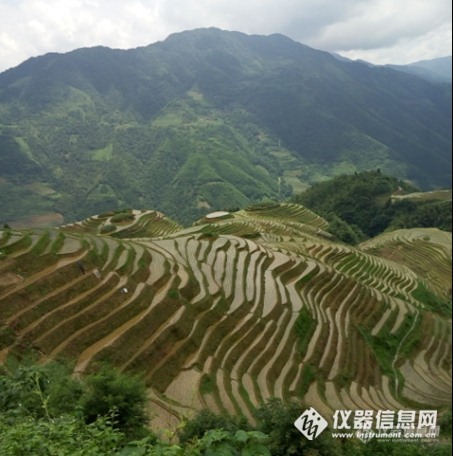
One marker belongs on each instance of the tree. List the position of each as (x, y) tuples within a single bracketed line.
[(39, 390), (66, 435), (344, 232), (206, 420), (110, 391), (276, 420)]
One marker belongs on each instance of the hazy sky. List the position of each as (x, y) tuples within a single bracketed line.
[(379, 31)]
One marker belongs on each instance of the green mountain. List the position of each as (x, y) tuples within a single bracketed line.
[(237, 309), (207, 120)]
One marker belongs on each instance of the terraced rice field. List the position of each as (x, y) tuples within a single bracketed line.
[(233, 311)]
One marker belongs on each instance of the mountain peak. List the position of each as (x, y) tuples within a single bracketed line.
[(209, 119)]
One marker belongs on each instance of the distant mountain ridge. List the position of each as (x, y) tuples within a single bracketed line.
[(205, 120), (436, 70)]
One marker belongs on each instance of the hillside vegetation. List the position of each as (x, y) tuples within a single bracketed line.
[(239, 308), (45, 410), (207, 119), (363, 205)]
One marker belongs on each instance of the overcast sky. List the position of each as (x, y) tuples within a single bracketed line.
[(379, 31)]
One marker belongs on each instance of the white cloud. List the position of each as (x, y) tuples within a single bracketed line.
[(436, 43), (389, 23), (386, 30)]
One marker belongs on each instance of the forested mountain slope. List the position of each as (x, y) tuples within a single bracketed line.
[(207, 119), (363, 205)]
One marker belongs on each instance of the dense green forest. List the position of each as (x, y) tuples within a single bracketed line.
[(45, 410), (361, 206), (207, 120)]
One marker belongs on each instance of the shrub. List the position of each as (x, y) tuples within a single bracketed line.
[(276, 420), (109, 228), (205, 421), (123, 217), (110, 391)]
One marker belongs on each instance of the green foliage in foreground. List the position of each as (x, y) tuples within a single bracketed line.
[(65, 435), (48, 392), (215, 442), (45, 411), (108, 391)]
